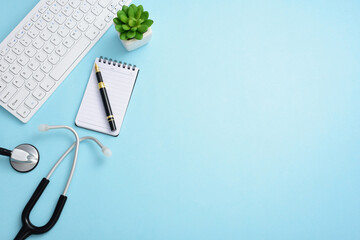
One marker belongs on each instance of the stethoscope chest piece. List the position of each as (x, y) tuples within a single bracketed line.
[(24, 158)]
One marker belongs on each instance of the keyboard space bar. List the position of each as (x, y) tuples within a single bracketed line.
[(69, 59)]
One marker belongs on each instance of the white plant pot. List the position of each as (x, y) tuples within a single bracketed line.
[(133, 44)]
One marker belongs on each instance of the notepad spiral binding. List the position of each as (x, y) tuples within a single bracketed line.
[(117, 63)]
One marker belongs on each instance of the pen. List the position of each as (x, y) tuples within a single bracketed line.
[(105, 99)]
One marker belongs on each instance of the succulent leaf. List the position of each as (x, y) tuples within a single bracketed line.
[(145, 15), (124, 18), (143, 28), (119, 13), (148, 22), (132, 23), (123, 36), (118, 28), (131, 34), (140, 10), (117, 21), (125, 27), (131, 12), (125, 9), (139, 36), (134, 29)]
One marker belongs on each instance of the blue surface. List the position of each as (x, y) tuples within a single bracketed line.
[(244, 124)]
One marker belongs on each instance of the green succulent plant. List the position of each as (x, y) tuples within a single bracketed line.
[(132, 22)]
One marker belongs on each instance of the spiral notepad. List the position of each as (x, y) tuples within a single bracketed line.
[(119, 79)]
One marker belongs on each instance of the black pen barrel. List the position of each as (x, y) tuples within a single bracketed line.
[(106, 102)]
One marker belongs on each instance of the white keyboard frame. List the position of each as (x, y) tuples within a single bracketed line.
[(57, 83)]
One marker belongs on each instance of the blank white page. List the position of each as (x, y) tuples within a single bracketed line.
[(119, 81)]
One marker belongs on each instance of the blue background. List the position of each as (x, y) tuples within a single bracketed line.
[(244, 124)]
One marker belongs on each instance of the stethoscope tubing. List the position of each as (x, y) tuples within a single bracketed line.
[(27, 227)]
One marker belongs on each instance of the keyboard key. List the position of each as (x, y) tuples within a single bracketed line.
[(49, 2), (26, 40), (108, 18), (75, 34), (3, 66), (35, 17), (48, 16), (47, 84), (30, 52), (28, 26), (45, 35), (68, 42), (4, 51), (12, 42), (53, 27), (41, 56), (18, 49), (15, 69), (18, 82), (10, 57), (83, 26), (18, 99), (104, 3), (38, 43), (33, 65), (92, 33), (39, 94), (23, 60), (112, 6), (43, 8), (61, 50), (46, 67), (49, 48), (116, 9), (62, 2), (7, 93), (7, 77), (90, 18), (31, 102), (38, 76), (74, 3), (20, 34), (41, 24), (78, 15), (53, 59), (23, 111), (69, 59), (85, 7), (96, 10), (56, 39), (33, 33), (70, 23), (67, 10), (31, 84), (100, 24), (63, 31), (26, 73), (55, 8)]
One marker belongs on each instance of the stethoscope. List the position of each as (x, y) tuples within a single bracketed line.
[(28, 228)]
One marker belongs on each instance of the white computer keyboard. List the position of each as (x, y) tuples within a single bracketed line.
[(46, 46)]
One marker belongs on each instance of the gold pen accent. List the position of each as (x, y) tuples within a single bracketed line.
[(101, 85), (97, 68), (111, 116)]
